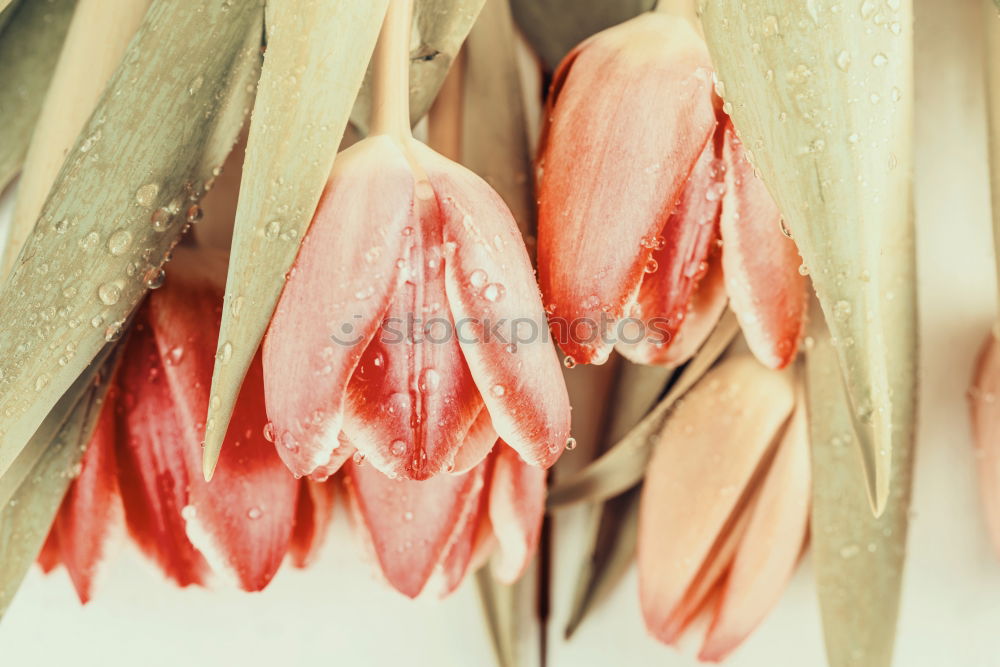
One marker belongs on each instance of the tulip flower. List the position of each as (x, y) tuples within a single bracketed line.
[(724, 509), (145, 456), (649, 209), (411, 316), (450, 524)]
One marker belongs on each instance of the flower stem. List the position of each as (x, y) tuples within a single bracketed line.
[(391, 73), (681, 8)]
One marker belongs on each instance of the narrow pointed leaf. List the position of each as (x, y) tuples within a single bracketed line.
[(439, 28), (97, 37), (168, 118), (506, 614), (297, 125), (25, 519), (29, 48), (991, 23), (7, 9), (857, 558), (624, 465), (822, 96), (554, 27)]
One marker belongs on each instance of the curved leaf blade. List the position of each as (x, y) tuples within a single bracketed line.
[(824, 101), (857, 557), (29, 48), (317, 52), (167, 119)]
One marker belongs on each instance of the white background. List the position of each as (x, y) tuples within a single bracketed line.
[(338, 613)]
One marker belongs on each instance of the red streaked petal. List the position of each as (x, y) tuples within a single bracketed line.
[(91, 506), (477, 445), (708, 453), (766, 291), (154, 468), (771, 545), (517, 506), (312, 518), (242, 519), (501, 324), (333, 302), (633, 113), (458, 557), (410, 524), (412, 399), (985, 412), (49, 557)]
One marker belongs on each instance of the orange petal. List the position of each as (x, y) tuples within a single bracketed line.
[(709, 452), (410, 524), (91, 506), (632, 112), (516, 509), (312, 517), (771, 545), (766, 291), (493, 296), (984, 403), (333, 302)]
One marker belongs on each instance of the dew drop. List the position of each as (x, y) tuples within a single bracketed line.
[(494, 292), (110, 293), (477, 278), (397, 448), (569, 362), (571, 444), (154, 278), (498, 390), (268, 431), (146, 195), (194, 213), (161, 219), (119, 242), (225, 353)]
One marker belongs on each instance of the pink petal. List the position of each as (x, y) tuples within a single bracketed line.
[(312, 517), (517, 507), (708, 453), (771, 546), (49, 557), (478, 443), (334, 299), (410, 524), (633, 113), (984, 404), (492, 293), (458, 557), (412, 398), (766, 291), (91, 506)]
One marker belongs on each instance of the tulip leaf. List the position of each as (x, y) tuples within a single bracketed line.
[(495, 141), (991, 19), (506, 608), (439, 29), (554, 27), (612, 536), (92, 50), (166, 121), (857, 558), (624, 465), (823, 100), (7, 9), (316, 56), (26, 516), (29, 49)]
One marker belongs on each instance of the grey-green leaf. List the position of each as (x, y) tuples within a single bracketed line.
[(29, 49), (624, 465), (27, 515), (506, 611), (317, 52), (165, 123), (857, 558), (554, 27), (440, 28)]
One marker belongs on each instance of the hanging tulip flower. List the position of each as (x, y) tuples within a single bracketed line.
[(386, 333), (649, 210), (725, 506), (145, 455)]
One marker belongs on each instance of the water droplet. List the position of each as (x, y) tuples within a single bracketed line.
[(651, 266), (430, 380), (571, 444), (154, 278), (844, 60), (289, 442), (254, 513), (269, 432), (225, 353), (498, 390), (494, 292), (61, 226), (41, 382), (880, 60), (194, 214), (146, 195), (272, 230), (842, 310), (407, 516), (569, 362), (161, 219), (119, 242), (397, 448), (195, 84), (110, 293), (174, 355), (358, 458), (477, 278)]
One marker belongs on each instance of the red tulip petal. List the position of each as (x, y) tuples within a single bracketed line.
[(338, 457), (517, 507), (49, 557), (91, 506), (154, 468), (343, 280), (411, 403), (493, 295), (477, 445), (984, 403), (766, 291), (312, 518), (770, 548), (632, 116), (410, 524), (242, 520), (459, 555), (708, 454)]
